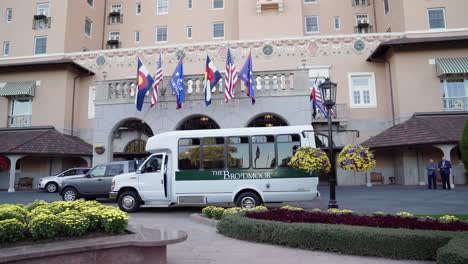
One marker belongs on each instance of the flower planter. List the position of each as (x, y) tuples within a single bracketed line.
[(142, 245)]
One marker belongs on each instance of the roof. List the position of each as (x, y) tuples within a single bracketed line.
[(40, 64), (418, 43), (41, 141), (17, 88), (447, 66), (422, 129)]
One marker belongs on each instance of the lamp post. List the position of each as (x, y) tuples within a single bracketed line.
[(328, 92)]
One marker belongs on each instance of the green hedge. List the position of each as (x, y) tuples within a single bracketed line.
[(352, 240), (455, 252)]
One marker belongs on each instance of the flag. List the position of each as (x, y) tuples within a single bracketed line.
[(230, 77), (212, 76), (145, 81), (316, 100), (158, 78), (246, 74), (177, 84)]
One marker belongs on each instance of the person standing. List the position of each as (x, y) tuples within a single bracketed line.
[(444, 167), (431, 174)]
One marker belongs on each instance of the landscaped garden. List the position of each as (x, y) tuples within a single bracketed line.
[(41, 221)]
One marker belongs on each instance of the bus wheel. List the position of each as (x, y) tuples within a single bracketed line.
[(248, 200), (129, 202)]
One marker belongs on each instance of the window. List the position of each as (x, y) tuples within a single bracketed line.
[(91, 2), (436, 18), (114, 169), (162, 7), (238, 152), (455, 94), (213, 153), (218, 4), (137, 36), (153, 164), (114, 35), (116, 8), (20, 112), (218, 30), (138, 9), (161, 34), (70, 173), (88, 28), (287, 146), (310, 1), (189, 154), (40, 45), (337, 23), (263, 152), (6, 48), (43, 9), (362, 19), (9, 15), (189, 4), (362, 90), (360, 2), (386, 7), (189, 32), (98, 171), (312, 24), (116, 19)]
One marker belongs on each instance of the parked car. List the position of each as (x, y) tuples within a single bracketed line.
[(52, 183), (97, 182)]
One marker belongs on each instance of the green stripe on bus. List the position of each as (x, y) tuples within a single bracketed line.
[(220, 175)]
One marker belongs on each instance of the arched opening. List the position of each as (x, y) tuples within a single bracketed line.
[(197, 122), (267, 120), (4, 172), (129, 139)]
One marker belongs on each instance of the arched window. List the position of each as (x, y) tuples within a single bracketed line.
[(198, 122), (136, 146), (267, 120)]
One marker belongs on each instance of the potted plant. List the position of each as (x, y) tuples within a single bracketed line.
[(99, 149), (356, 158), (311, 160)]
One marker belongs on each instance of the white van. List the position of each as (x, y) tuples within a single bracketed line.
[(245, 166)]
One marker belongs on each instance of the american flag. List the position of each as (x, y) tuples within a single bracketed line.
[(158, 78), (316, 99), (231, 77)]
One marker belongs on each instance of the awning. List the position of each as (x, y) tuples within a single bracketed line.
[(447, 66), (17, 88)]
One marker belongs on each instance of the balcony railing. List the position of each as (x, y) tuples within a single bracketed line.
[(456, 104), (363, 28), (115, 18), (19, 121), (114, 44), (270, 5), (41, 22)]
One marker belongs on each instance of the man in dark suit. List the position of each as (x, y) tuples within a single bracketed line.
[(444, 167)]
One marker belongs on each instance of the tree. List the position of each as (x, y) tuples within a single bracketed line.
[(464, 149)]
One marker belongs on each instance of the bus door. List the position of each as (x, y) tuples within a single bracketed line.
[(151, 178)]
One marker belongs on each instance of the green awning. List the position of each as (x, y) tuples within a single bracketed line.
[(447, 66), (17, 88)]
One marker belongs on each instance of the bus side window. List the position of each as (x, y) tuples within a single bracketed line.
[(189, 154), (238, 153), (287, 146), (213, 153), (263, 152)]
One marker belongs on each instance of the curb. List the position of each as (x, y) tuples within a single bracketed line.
[(203, 220)]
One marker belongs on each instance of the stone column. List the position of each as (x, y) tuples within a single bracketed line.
[(446, 149), (88, 160), (13, 159), (368, 179)]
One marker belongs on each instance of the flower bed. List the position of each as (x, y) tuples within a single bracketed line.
[(214, 212), (50, 221), (377, 220)]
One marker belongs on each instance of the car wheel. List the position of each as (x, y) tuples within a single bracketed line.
[(248, 200), (69, 195), (129, 201), (51, 187)]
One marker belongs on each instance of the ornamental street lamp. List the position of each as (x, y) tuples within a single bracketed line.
[(328, 92)]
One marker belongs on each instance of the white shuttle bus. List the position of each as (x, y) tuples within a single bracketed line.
[(244, 166)]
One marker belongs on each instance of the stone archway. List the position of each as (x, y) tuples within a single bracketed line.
[(128, 139), (267, 120), (196, 122)]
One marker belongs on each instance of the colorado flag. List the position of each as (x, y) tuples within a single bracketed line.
[(145, 82), (212, 76)]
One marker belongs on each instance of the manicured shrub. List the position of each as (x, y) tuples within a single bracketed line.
[(36, 203), (114, 221), (217, 213), (38, 211), (292, 208), (230, 211), (455, 252), (382, 221), (12, 230), (10, 211), (72, 223), (354, 240), (44, 226), (208, 211), (94, 216)]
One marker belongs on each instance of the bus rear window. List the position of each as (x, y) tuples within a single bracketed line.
[(189, 154)]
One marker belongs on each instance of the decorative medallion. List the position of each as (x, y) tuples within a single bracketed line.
[(100, 61), (267, 50), (359, 45), (179, 54)]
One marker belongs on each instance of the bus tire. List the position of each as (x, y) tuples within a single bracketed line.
[(248, 200), (129, 201)]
